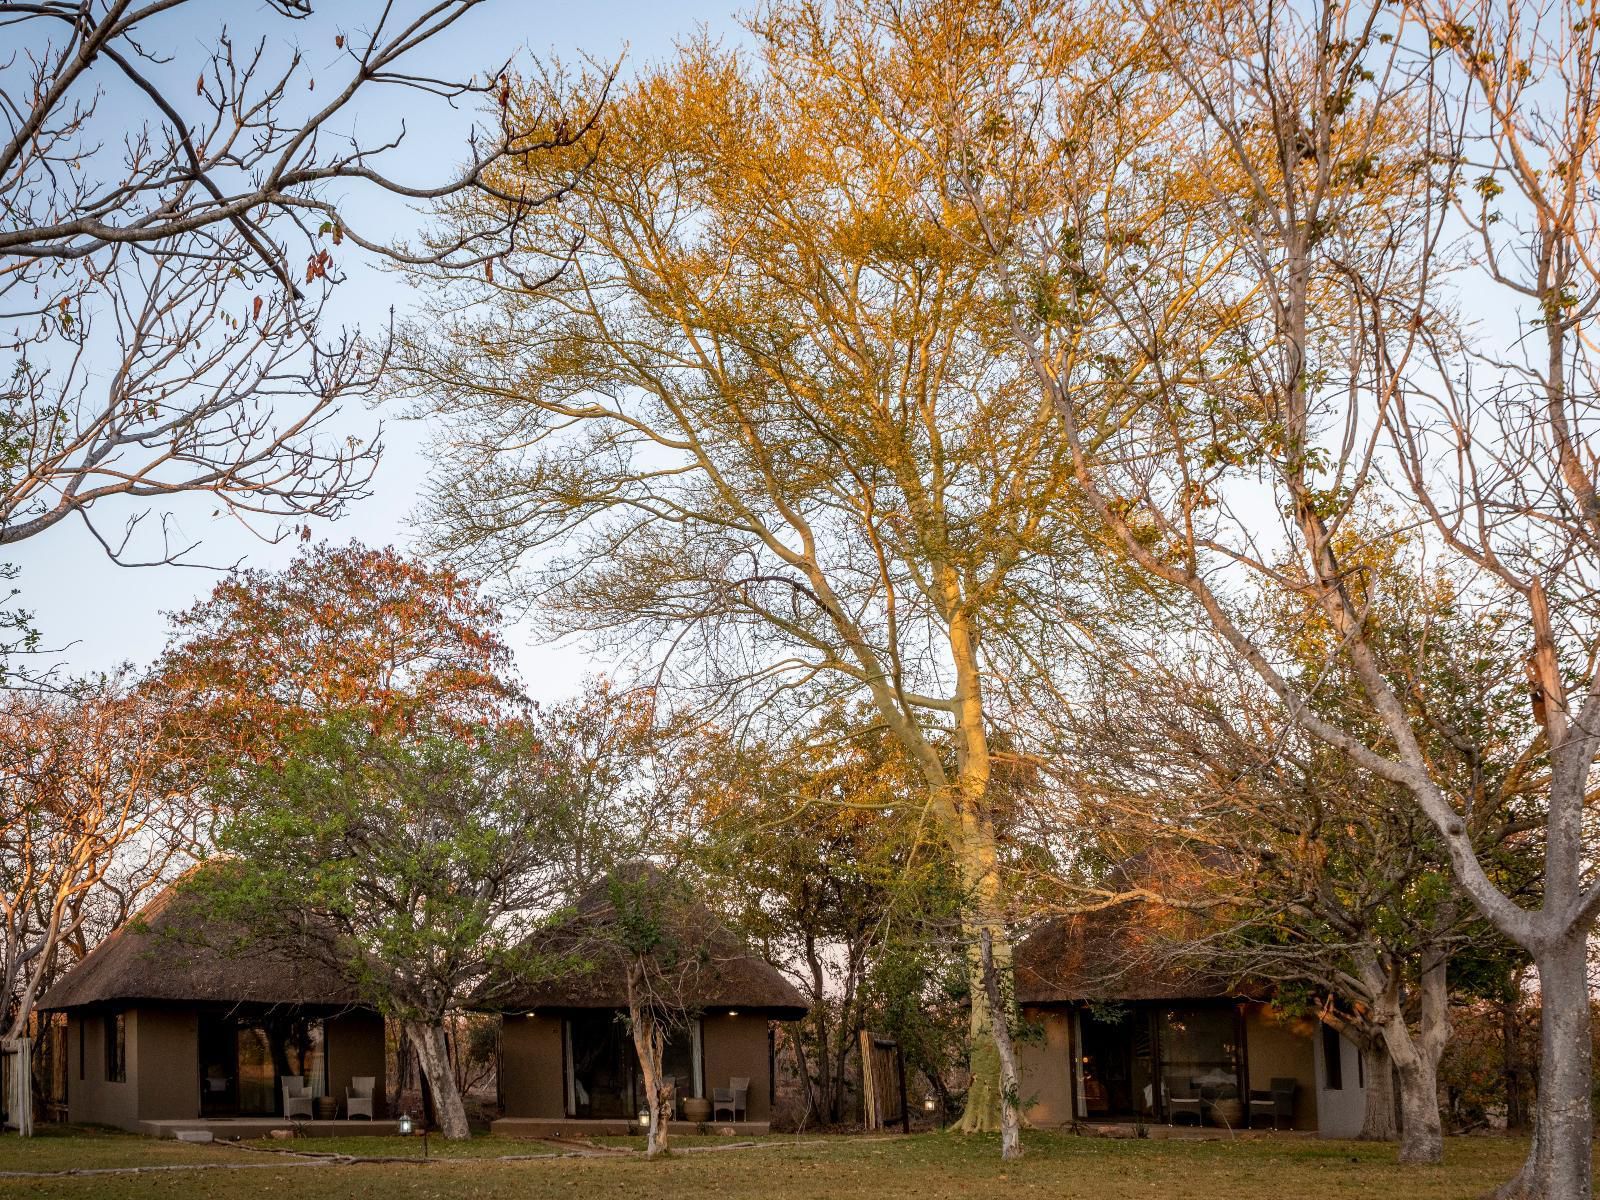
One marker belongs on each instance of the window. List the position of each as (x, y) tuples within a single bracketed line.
[(81, 1056), (116, 1047), (1332, 1059)]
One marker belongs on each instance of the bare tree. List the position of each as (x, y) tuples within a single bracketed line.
[(170, 248), (95, 811), (1287, 353), (1317, 875)]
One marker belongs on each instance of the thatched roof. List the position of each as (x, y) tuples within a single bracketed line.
[(172, 953), (1107, 955), (1139, 950), (713, 968)]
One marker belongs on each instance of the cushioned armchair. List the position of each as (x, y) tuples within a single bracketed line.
[(358, 1096), (296, 1096), (1277, 1102)]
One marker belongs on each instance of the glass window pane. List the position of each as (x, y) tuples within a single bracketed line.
[(1200, 1052)]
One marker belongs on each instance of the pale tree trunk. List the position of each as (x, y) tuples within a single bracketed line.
[(980, 869), (1562, 1151), (1378, 1120), (984, 1111), (1010, 1080), (649, 1042), (427, 1038), (1415, 1056)]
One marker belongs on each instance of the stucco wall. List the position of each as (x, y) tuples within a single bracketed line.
[(531, 1083), (92, 1099), (1045, 1057), (1278, 1047), (355, 1046), (163, 1060), (737, 1045), (1341, 1111)]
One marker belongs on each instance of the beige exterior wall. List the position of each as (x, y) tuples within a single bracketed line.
[(1281, 1047), (163, 1063), (1276, 1047), (531, 1082), (1045, 1059), (163, 1081), (531, 1063), (737, 1045), (92, 1099), (355, 1046)]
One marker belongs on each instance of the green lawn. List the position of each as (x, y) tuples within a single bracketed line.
[(408, 1147), (922, 1167)]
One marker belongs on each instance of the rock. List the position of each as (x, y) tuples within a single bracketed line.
[(282, 1134)]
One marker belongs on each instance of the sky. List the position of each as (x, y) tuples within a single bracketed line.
[(95, 615)]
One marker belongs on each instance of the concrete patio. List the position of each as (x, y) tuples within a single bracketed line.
[(230, 1129), (558, 1127)]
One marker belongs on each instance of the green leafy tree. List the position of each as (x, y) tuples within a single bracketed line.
[(417, 865)]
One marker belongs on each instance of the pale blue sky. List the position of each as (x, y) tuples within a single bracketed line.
[(96, 614)]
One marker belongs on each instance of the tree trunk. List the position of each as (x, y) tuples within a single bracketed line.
[(649, 1041), (1010, 1082), (1564, 1166), (428, 1039), (1421, 1130), (981, 920), (1378, 1121)]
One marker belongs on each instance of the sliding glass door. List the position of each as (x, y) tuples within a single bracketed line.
[(603, 1079), (243, 1057)]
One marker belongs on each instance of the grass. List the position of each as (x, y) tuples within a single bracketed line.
[(921, 1167), (76, 1147), (406, 1147)]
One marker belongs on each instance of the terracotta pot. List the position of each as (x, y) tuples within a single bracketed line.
[(696, 1109)]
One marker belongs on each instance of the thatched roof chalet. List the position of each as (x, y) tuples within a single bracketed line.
[(173, 953), (714, 968)]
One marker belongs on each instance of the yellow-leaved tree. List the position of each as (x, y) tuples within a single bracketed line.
[(767, 428)]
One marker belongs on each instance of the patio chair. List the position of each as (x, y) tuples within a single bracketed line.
[(741, 1096), (722, 1098), (296, 1096), (358, 1096), (1191, 1103), (1277, 1102)]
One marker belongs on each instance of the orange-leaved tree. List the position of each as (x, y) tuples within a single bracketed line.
[(341, 629)]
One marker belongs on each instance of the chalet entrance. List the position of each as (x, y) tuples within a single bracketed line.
[(1157, 1061), (603, 1079), (242, 1056)]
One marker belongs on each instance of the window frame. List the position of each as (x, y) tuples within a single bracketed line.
[(116, 1046), (1332, 1059)]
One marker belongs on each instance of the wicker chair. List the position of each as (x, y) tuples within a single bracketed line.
[(358, 1097), (296, 1097)]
